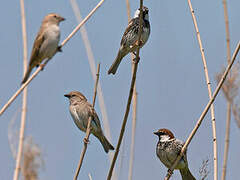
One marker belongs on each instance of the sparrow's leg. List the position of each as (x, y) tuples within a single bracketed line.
[(136, 59), (59, 49), (85, 140), (170, 172), (139, 43), (42, 66)]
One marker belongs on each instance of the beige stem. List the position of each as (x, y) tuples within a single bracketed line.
[(86, 138), (24, 104), (215, 159), (135, 66), (226, 146)]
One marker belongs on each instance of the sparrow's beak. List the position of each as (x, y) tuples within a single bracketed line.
[(67, 95), (62, 19), (156, 133)]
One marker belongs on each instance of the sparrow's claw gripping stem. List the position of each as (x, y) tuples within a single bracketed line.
[(136, 59), (42, 66), (85, 140), (170, 172), (59, 49)]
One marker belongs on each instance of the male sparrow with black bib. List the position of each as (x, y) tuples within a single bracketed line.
[(129, 42), (168, 148)]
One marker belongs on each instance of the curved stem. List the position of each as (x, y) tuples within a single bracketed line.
[(210, 102), (215, 159)]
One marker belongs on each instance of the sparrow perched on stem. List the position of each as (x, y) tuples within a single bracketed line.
[(80, 111), (168, 148), (129, 42), (46, 43)]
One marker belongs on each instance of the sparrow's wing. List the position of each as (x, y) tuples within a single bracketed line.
[(95, 118), (177, 147), (130, 35), (36, 48)]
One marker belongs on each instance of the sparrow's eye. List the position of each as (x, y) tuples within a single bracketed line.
[(55, 16)]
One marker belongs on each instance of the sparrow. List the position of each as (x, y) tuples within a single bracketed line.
[(168, 148), (46, 43), (129, 42), (80, 110)]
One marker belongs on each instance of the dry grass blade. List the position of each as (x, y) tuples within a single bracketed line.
[(41, 67), (135, 66), (24, 104), (88, 128), (170, 171)]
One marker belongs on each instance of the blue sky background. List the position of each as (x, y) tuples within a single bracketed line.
[(170, 84)]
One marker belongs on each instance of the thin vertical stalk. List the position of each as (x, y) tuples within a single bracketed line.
[(227, 30), (134, 118), (24, 104), (134, 110), (199, 122), (86, 138), (90, 177), (129, 97), (229, 103), (215, 159), (226, 145)]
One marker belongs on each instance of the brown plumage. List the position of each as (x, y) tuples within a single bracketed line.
[(46, 43), (80, 111)]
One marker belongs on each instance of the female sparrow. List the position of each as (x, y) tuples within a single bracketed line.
[(168, 148), (129, 42), (80, 111), (46, 43)]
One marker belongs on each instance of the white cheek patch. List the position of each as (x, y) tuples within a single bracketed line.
[(137, 13), (164, 138)]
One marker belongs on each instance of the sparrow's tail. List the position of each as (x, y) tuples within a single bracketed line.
[(27, 74), (105, 143), (186, 174), (117, 61)]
